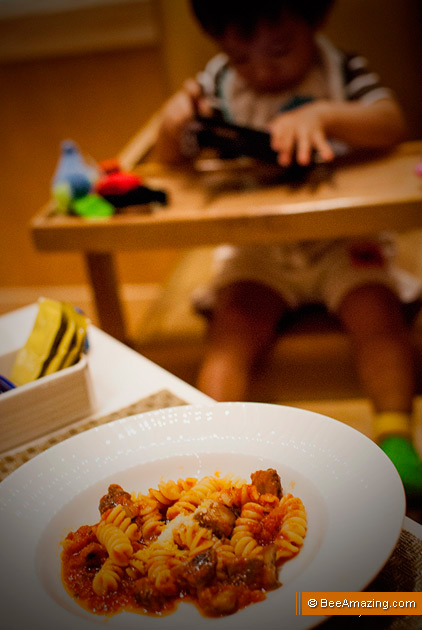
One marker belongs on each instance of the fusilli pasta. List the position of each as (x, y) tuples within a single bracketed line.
[(115, 541), (219, 540), (108, 578), (118, 517)]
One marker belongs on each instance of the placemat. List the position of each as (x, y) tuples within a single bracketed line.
[(402, 573), (159, 400)]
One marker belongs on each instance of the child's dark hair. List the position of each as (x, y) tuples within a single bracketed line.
[(215, 16)]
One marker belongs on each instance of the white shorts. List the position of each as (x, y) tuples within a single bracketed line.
[(317, 272)]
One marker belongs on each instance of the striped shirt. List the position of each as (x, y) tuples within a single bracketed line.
[(337, 76)]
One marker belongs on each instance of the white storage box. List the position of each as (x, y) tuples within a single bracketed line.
[(45, 405)]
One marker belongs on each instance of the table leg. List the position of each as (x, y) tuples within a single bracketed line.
[(103, 278)]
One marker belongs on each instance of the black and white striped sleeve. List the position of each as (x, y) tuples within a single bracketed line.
[(361, 84), (210, 78)]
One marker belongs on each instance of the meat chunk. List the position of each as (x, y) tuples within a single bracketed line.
[(267, 482), (198, 572), (219, 518), (256, 573), (147, 596), (116, 496), (93, 555), (216, 601), (75, 541)]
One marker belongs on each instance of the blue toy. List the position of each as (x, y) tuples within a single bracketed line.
[(73, 178)]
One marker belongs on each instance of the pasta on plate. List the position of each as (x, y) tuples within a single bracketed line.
[(217, 542)]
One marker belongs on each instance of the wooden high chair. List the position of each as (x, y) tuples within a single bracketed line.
[(215, 203)]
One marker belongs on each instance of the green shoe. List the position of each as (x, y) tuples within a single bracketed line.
[(408, 463)]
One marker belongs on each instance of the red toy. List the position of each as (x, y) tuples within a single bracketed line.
[(124, 189), (114, 181)]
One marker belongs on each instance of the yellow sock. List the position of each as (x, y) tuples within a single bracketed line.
[(388, 423)]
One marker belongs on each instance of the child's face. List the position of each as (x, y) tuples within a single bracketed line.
[(276, 57)]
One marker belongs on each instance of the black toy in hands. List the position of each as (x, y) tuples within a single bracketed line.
[(232, 140)]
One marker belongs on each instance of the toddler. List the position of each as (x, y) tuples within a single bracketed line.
[(276, 72)]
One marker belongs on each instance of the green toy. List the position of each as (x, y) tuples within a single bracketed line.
[(408, 463), (62, 195), (92, 206)]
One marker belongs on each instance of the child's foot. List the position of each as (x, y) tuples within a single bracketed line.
[(408, 463)]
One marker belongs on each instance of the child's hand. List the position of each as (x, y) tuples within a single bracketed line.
[(181, 107), (179, 110), (298, 133)]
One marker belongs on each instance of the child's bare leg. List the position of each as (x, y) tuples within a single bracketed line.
[(242, 328), (373, 317)]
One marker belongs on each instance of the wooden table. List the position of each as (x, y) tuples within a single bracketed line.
[(207, 207)]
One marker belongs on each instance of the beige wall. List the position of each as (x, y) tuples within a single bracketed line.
[(99, 99), (389, 33)]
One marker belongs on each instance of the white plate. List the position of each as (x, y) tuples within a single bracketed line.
[(352, 493)]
